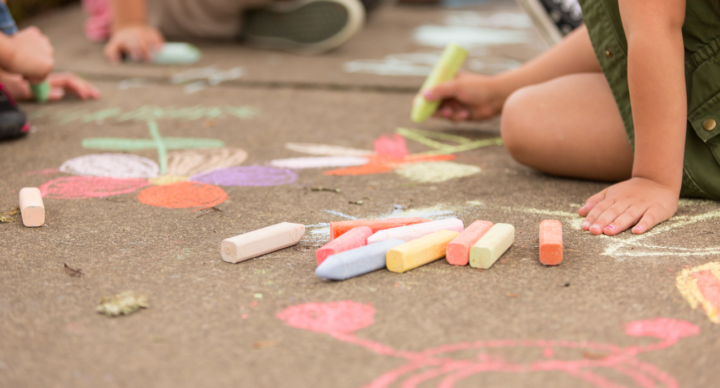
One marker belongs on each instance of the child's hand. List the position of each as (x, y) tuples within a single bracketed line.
[(60, 85), (467, 97), (636, 201), (138, 41), (32, 55)]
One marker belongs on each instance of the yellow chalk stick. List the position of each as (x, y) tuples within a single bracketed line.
[(445, 69), (419, 252), (492, 245)]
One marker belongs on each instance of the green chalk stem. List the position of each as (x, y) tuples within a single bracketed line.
[(447, 67), (160, 144), (41, 91), (464, 147), (419, 138)]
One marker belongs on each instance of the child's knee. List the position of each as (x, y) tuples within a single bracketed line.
[(517, 123)]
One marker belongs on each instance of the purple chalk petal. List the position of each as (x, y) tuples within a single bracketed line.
[(247, 176)]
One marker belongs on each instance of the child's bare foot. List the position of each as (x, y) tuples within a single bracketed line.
[(467, 97), (61, 84), (637, 201)]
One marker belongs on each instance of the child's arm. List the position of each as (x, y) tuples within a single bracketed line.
[(477, 97), (656, 77), (130, 33), (28, 53)]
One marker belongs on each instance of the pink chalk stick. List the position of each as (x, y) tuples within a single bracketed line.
[(354, 238), (458, 250)]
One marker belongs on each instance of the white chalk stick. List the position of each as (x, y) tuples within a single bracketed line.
[(492, 245), (412, 232), (31, 207), (261, 241)]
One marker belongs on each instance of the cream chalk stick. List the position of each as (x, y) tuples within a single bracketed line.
[(261, 241), (492, 245), (412, 232), (419, 252), (31, 207)]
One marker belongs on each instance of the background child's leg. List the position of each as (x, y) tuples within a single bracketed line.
[(569, 126)]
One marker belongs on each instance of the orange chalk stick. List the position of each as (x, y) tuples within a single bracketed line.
[(458, 250), (337, 229), (551, 244)]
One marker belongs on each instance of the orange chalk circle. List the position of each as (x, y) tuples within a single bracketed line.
[(183, 195), (379, 164), (700, 286)]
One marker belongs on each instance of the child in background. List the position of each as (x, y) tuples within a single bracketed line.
[(631, 97), (27, 56), (137, 28)]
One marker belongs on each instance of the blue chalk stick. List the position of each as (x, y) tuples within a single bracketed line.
[(356, 262)]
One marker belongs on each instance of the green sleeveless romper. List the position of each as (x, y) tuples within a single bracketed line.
[(701, 35)]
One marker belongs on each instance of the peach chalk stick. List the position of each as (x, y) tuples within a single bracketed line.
[(337, 229), (412, 232), (458, 251), (355, 238), (419, 252), (31, 207), (551, 244), (261, 241), (492, 245)]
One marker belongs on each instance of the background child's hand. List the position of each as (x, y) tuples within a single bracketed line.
[(467, 97), (61, 84), (32, 55), (636, 201), (137, 41)]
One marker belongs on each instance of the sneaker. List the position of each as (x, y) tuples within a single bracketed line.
[(554, 18), (304, 26), (12, 121)]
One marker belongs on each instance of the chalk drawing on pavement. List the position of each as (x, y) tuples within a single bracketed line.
[(444, 366), (700, 286)]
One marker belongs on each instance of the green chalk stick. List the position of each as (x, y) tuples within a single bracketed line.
[(41, 91), (177, 53), (450, 62)]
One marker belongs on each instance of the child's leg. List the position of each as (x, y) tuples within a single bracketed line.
[(569, 126)]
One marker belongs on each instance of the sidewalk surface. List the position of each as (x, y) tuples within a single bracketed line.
[(611, 315)]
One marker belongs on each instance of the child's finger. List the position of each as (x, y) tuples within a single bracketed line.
[(442, 91), (75, 85), (648, 220), (56, 94), (591, 202), (625, 220), (112, 52), (595, 213), (608, 216)]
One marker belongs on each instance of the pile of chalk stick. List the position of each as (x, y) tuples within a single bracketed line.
[(399, 244)]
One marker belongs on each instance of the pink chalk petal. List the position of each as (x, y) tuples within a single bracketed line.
[(81, 187), (391, 146), (664, 328), (334, 317)]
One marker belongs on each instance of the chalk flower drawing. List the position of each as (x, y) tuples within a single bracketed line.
[(184, 167), (700, 286), (445, 366)]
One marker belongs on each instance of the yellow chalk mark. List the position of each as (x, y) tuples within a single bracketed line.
[(687, 284)]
